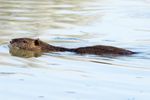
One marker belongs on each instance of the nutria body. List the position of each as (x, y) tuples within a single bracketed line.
[(40, 46)]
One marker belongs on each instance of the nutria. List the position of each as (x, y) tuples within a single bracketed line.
[(40, 46)]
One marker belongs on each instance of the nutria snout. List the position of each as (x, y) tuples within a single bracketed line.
[(38, 45)]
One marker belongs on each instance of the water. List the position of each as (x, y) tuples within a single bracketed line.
[(75, 23)]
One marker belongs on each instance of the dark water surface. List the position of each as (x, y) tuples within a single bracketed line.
[(74, 23)]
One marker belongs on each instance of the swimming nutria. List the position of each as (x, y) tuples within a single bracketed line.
[(40, 46)]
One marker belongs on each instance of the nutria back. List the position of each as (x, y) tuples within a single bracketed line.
[(103, 50), (38, 45)]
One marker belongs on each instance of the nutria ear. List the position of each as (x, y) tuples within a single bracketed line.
[(37, 42)]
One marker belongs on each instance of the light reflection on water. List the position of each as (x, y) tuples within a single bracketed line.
[(75, 23)]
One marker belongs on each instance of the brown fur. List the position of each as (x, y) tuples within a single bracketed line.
[(40, 46)]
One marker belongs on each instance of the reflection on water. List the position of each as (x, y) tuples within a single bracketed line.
[(37, 16), (75, 23), (24, 53)]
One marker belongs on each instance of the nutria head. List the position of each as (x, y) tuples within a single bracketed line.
[(26, 44)]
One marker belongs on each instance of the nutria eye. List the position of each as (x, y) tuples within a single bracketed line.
[(24, 41), (36, 42)]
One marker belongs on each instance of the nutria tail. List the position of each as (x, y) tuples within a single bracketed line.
[(101, 50)]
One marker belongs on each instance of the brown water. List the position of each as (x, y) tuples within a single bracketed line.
[(75, 23)]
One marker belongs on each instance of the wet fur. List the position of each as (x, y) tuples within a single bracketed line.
[(38, 45)]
